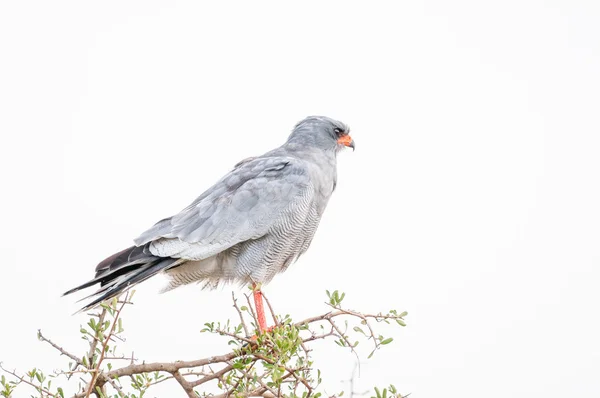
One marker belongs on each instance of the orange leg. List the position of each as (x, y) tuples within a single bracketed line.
[(260, 310)]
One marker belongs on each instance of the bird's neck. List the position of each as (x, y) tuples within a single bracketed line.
[(321, 165)]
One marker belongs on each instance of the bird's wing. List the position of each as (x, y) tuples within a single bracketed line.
[(242, 205)]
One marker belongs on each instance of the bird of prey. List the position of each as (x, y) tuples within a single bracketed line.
[(249, 226)]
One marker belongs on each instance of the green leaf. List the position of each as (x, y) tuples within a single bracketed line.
[(238, 365), (357, 329), (387, 341), (377, 392)]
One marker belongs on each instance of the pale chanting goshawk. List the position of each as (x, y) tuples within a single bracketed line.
[(249, 226)]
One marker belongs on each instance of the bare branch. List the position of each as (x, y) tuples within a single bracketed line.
[(226, 333), (251, 310), (213, 376), (275, 321), (240, 314), (116, 387), (62, 350)]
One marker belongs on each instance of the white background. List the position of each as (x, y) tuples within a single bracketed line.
[(472, 200)]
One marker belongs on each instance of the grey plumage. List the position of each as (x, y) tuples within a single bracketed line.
[(246, 228)]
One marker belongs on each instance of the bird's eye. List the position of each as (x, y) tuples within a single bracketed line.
[(338, 131)]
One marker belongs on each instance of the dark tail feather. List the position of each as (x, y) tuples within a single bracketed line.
[(121, 271)]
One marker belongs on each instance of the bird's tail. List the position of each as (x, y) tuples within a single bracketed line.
[(121, 271)]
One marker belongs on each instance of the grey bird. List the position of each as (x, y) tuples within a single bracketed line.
[(252, 224)]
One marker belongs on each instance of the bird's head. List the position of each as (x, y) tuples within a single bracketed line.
[(322, 132)]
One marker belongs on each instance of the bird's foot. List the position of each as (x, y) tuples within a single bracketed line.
[(263, 331)]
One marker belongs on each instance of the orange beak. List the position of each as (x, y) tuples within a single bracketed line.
[(346, 140)]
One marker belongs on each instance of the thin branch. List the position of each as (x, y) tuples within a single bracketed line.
[(226, 333), (259, 379), (95, 340), (251, 310), (366, 322), (292, 371), (212, 376), (123, 357), (343, 336), (237, 383), (161, 380), (105, 345), (267, 388), (23, 380), (116, 387), (259, 392), (271, 309), (59, 348), (318, 337), (240, 314)]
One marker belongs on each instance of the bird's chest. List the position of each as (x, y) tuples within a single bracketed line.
[(324, 179), (289, 238)]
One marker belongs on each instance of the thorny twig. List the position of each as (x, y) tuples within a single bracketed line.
[(243, 322), (115, 385), (275, 321), (95, 339), (252, 309), (59, 348), (200, 372), (22, 379), (105, 345)]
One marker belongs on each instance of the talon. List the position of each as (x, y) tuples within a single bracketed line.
[(267, 330)]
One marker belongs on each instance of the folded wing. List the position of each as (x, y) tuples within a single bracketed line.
[(243, 205)]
